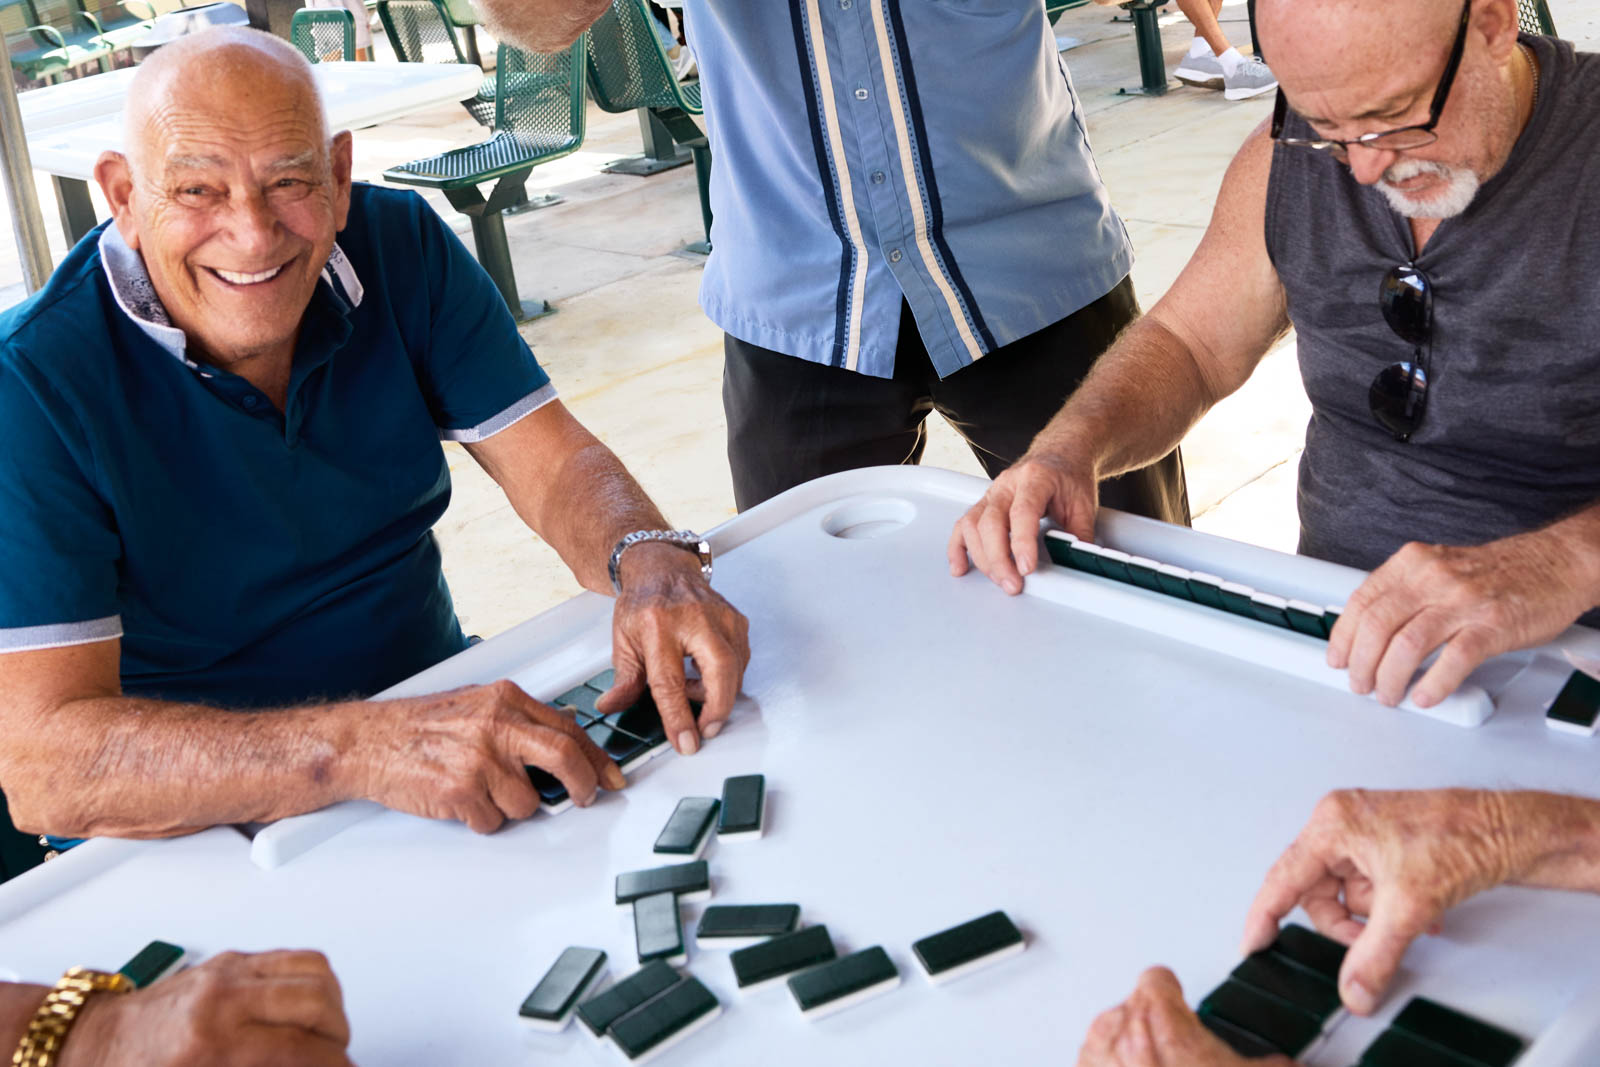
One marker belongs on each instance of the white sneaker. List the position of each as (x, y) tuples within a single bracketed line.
[(1250, 78), (1202, 71)]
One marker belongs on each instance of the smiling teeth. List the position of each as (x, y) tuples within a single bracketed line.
[(235, 278)]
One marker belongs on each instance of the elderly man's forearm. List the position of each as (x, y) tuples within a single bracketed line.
[(1136, 404), (1580, 536), (596, 502), (552, 25), (148, 768), (1557, 840)]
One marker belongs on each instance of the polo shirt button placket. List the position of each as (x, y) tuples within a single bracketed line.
[(861, 93), (894, 255), (878, 177)]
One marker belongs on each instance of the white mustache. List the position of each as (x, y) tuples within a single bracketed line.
[(1410, 168)]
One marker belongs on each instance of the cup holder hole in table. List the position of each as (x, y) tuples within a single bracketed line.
[(861, 520)]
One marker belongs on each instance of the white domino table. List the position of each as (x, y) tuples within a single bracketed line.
[(933, 749)]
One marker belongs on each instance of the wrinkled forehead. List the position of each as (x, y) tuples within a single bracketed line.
[(1361, 52), (227, 113)]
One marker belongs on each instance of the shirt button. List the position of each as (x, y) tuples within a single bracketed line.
[(877, 177), (844, 5), (861, 94), (894, 255)]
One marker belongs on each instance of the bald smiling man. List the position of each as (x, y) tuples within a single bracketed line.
[(220, 462), (1422, 211)]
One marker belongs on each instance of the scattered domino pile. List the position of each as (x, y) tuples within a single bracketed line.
[(658, 1006), (1285, 999)]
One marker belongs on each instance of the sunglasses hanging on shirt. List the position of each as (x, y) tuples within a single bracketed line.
[(1399, 394)]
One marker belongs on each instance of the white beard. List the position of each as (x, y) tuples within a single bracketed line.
[(1460, 188)]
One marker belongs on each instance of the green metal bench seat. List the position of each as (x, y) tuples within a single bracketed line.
[(539, 116), (324, 34), (629, 71), (421, 31), (1146, 37), (46, 38), (119, 26)]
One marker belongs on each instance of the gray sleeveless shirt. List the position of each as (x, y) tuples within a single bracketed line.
[(1511, 437)]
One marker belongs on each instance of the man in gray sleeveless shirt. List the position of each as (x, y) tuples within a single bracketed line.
[(1434, 238)]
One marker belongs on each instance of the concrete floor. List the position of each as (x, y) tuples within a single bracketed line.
[(639, 364)]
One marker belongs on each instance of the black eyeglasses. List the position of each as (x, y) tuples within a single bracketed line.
[(1398, 139), (1399, 394)]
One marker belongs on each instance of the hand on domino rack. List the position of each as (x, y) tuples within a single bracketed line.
[(1155, 1028), (233, 1010), (1401, 859), (1470, 604), (667, 611), (464, 755), (1001, 532)]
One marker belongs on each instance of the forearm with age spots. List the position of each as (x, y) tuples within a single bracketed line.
[(1555, 840), (1137, 403), (591, 504), (130, 767), (552, 25)]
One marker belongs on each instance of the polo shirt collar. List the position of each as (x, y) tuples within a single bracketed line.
[(136, 294)]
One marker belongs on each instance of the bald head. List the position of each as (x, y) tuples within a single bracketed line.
[(1357, 33), (223, 74)]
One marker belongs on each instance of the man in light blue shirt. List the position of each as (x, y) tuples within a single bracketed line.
[(908, 219)]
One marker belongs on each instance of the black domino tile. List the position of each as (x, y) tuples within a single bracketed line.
[(1206, 591), (603, 1009), (580, 697), (1115, 567), (691, 821), (782, 955), (1275, 975), (1236, 602), (970, 941), (678, 878), (619, 745), (1578, 703), (1311, 624), (1285, 1027), (1172, 585), (744, 799), (1241, 1041), (657, 927), (844, 977), (1059, 551), (1395, 1048), (1087, 562), (1144, 576), (748, 920), (151, 962), (562, 984), (1269, 613), (1310, 950), (1446, 1028), (602, 681), (657, 1020), (1330, 617), (551, 791)]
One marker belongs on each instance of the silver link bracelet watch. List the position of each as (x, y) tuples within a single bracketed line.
[(687, 540)]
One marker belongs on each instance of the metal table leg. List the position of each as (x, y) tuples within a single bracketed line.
[(77, 210)]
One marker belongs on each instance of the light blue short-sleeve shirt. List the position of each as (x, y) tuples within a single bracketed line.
[(869, 150)]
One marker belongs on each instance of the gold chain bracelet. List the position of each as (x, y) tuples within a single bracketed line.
[(48, 1030)]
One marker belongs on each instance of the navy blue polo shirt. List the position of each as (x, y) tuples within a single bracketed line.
[(246, 556)]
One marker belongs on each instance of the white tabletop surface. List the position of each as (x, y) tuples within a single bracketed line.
[(933, 750), (69, 125)]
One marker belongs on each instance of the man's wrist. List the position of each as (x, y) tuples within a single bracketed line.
[(1577, 539), (1560, 838), (651, 558)]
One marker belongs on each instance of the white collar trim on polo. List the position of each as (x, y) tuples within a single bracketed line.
[(136, 294)]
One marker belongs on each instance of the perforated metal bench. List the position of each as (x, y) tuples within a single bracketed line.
[(539, 105), (324, 34), (629, 71)]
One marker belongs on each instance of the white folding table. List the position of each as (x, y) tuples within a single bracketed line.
[(933, 749), (70, 124)]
